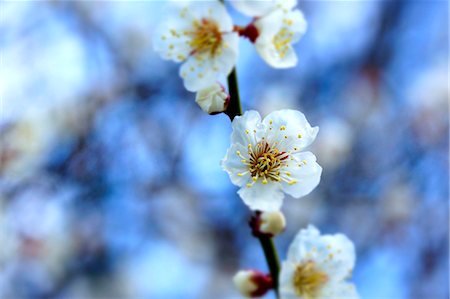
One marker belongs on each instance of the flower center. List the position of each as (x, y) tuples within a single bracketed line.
[(206, 37), (308, 280), (282, 40), (265, 162)]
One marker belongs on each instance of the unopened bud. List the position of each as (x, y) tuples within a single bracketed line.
[(252, 283), (267, 223), (272, 223), (213, 99)]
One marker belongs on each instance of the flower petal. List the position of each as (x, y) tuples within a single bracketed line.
[(302, 243), (224, 62), (262, 197), (287, 271), (339, 257), (203, 69), (294, 125), (170, 42), (213, 10), (298, 24), (244, 128), (305, 171), (257, 8), (339, 290), (233, 165), (253, 8)]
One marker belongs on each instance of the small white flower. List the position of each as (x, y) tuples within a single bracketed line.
[(317, 266), (277, 32), (213, 99), (266, 158), (258, 8), (200, 34)]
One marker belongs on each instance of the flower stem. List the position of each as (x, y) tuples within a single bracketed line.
[(270, 252), (234, 107), (267, 244)]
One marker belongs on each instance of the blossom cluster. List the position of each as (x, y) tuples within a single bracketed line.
[(268, 156), (201, 35)]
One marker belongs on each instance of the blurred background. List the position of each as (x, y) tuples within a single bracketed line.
[(109, 171)]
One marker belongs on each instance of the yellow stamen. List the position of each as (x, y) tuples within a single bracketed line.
[(282, 41), (308, 280), (206, 37)]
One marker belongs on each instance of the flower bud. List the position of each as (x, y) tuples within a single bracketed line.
[(213, 99), (272, 223), (267, 223), (252, 283)]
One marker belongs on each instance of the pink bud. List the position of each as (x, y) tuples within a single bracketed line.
[(267, 223), (252, 283)]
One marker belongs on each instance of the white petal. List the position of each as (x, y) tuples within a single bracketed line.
[(203, 70), (338, 258), (299, 24), (194, 73), (302, 243), (244, 126), (305, 171), (224, 62), (170, 42), (269, 25), (212, 10), (258, 8), (253, 8), (295, 126), (333, 254), (268, 197), (339, 290), (233, 165), (286, 287), (270, 55), (286, 4)]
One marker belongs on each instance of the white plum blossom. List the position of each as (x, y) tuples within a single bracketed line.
[(266, 158), (213, 99), (258, 8), (277, 26), (200, 34), (277, 32), (317, 267)]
